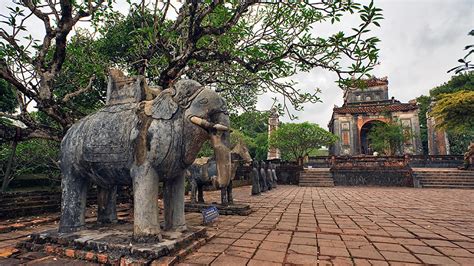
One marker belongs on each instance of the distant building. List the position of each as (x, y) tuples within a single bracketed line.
[(362, 108)]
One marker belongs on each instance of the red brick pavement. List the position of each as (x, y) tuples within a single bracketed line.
[(340, 226), (345, 226)]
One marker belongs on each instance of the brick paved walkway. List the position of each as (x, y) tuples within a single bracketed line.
[(341, 225), (346, 225)]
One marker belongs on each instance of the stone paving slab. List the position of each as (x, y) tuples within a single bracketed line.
[(345, 226), (339, 226)]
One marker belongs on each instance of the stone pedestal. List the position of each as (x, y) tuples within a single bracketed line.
[(114, 245), (233, 209)]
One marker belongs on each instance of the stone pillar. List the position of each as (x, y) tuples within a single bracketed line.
[(273, 121), (438, 143)]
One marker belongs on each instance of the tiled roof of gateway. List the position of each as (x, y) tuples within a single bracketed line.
[(396, 107)]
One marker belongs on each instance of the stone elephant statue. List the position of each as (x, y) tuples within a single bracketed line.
[(204, 171), (140, 143), (201, 173)]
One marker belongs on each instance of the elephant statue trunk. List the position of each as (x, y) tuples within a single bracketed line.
[(220, 142)]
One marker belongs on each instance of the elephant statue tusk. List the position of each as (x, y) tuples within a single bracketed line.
[(221, 127), (208, 125)]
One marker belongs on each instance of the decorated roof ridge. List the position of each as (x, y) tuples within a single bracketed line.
[(395, 107), (371, 103), (371, 82)]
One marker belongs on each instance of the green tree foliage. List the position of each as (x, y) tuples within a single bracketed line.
[(236, 136), (260, 148), (295, 140), (464, 81), (455, 111), (8, 101), (85, 67), (459, 140), (388, 138), (250, 123), (254, 125), (241, 48), (34, 156)]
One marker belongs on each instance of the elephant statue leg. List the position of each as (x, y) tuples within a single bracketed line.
[(107, 208), (145, 197), (194, 188), (200, 193), (173, 200), (230, 198), (224, 200), (73, 204)]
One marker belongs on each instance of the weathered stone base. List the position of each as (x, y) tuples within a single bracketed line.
[(373, 177), (234, 209), (114, 245)]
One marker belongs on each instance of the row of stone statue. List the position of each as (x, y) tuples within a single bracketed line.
[(263, 177)]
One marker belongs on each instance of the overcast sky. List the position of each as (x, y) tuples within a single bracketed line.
[(420, 41)]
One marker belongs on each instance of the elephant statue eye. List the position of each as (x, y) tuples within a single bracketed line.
[(203, 101)]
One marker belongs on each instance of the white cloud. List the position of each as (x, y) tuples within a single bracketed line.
[(420, 41)]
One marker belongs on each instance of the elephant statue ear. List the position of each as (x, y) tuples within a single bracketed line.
[(164, 107)]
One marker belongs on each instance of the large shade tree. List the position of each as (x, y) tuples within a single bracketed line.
[(243, 48), (295, 140)]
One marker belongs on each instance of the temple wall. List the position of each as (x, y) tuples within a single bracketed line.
[(410, 120), (345, 127)]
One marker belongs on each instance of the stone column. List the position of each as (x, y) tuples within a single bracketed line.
[(438, 143), (273, 121)]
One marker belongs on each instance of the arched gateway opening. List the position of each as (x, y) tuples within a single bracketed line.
[(365, 145)]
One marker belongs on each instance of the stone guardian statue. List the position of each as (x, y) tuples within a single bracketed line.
[(255, 179), (269, 176), (263, 177), (274, 176)]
